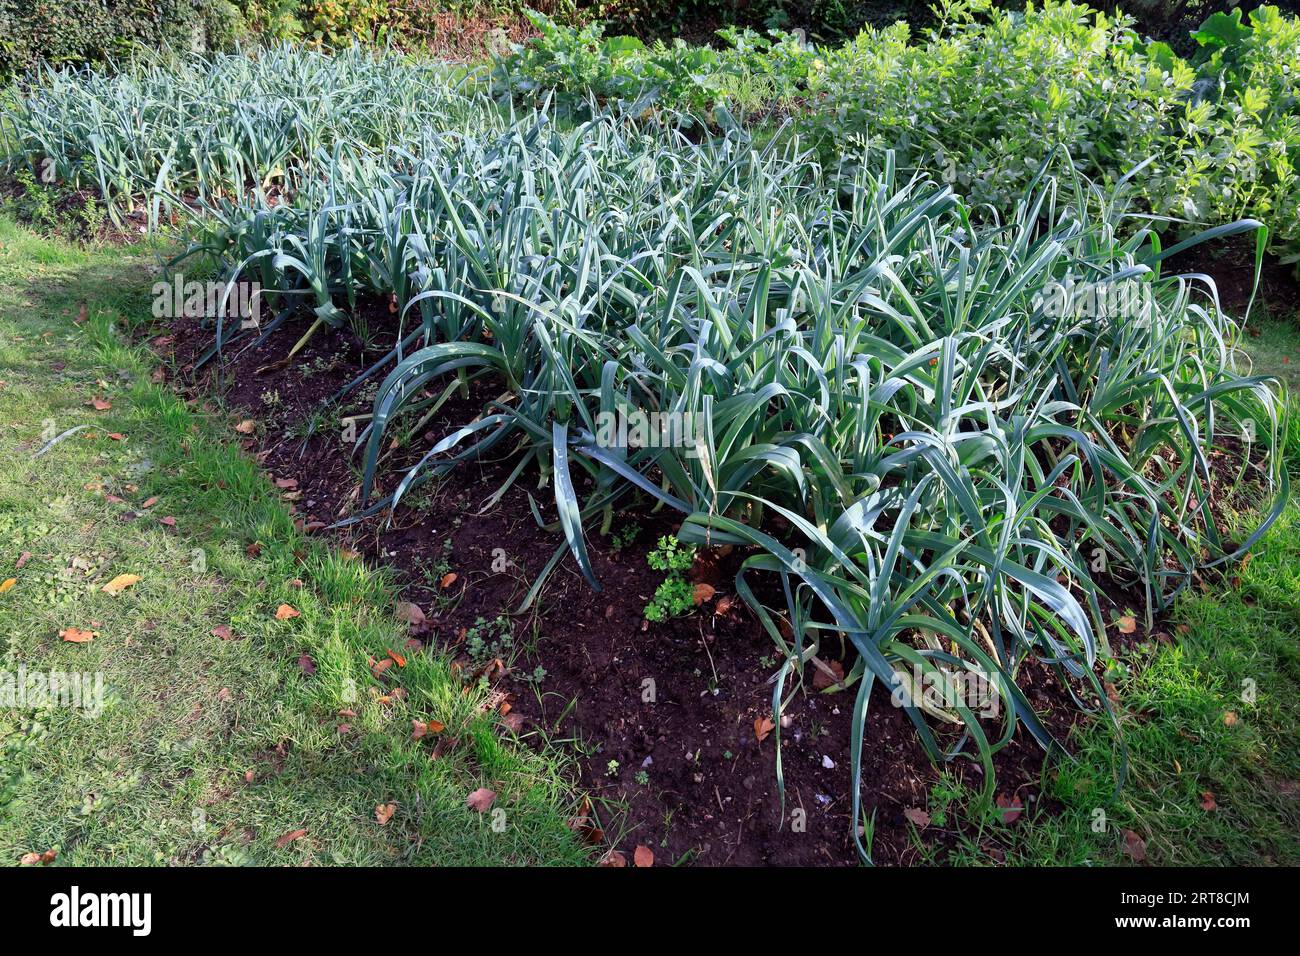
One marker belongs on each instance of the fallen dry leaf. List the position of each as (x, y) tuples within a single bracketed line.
[(1230, 719), (99, 404), (120, 583), (246, 427), (288, 484), (412, 615), (481, 799), (1207, 801), (398, 659), (7, 584), (917, 816), (822, 680), (22, 560), (613, 859), (448, 580), (384, 813), (703, 592), (643, 856), (762, 727), (222, 631), (307, 665), (1126, 624), (286, 838), (284, 612), (169, 521), (1135, 846), (75, 635), (150, 502), (116, 436), (1011, 807)]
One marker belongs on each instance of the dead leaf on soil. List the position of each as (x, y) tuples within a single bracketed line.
[(1230, 719), (246, 427), (1207, 801), (222, 631), (448, 580), (100, 404), (643, 856), (1126, 624), (762, 727), (481, 799), (284, 612), (1011, 807), (413, 616), (22, 560), (821, 679), (307, 665), (917, 817), (75, 635), (703, 592), (384, 813), (613, 859), (7, 584)]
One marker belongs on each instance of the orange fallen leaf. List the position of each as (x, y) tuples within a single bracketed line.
[(286, 838), (75, 635), (1230, 719), (116, 436), (246, 427), (100, 405), (703, 592), (284, 612), (7, 584), (398, 659), (762, 727), (643, 856), (120, 583), (150, 502), (481, 799), (448, 580), (1126, 624), (384, 813)]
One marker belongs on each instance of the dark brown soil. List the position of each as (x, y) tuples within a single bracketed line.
[(680, 770)]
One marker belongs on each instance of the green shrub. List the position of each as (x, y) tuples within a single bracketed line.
[(980, 100), (97, 33)]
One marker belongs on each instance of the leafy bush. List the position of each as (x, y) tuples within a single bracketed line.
[(985, 96), (33, 33)]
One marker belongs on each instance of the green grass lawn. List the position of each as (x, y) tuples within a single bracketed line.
[(216, 751), (207, 749)]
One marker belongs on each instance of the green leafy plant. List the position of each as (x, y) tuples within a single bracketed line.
[(674, 596)]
